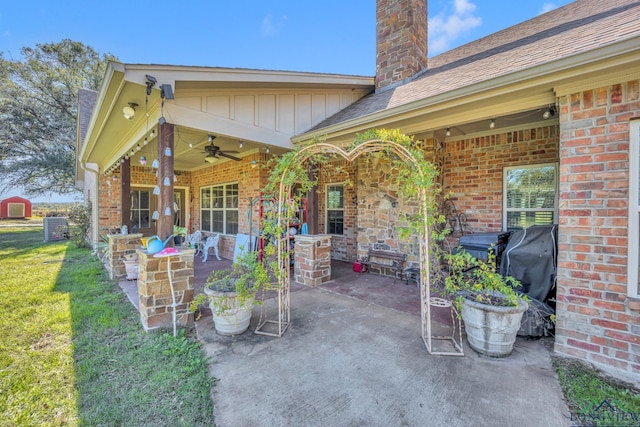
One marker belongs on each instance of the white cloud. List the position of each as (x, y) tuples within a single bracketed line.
[(463, 6), (547, 7), (447, 26), (269, 27)]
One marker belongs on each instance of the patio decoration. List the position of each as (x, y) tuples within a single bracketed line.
[(489, 304), (168, 252), (417, 185)]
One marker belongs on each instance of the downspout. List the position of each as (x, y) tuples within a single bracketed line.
[(94, 205)]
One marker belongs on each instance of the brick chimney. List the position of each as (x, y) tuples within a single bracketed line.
[(401, 41)]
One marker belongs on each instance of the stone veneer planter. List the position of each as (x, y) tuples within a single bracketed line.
[(312, 256), (119, 246), (154, 289)]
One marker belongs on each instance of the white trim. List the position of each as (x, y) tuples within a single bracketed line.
[(634, 206), (555, 211), (326, 207)]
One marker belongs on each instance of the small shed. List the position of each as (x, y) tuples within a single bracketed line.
[(15, 207)]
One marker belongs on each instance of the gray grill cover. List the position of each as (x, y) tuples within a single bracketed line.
[(530, 257)]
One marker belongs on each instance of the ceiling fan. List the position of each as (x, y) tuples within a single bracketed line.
[(214, 153)]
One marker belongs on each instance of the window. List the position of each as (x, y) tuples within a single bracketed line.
[(219, 208), (335, 209), (140, 209), (633, 251), (530, 196)]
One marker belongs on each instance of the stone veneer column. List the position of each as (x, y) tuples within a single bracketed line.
[(119, 246), (312, 257), (154, 289)]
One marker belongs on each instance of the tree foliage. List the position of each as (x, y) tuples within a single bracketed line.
[(38, 110)]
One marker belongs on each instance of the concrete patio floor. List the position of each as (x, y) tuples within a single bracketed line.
[(354, 356)]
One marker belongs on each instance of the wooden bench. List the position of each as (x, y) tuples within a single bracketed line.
[(383, 259)]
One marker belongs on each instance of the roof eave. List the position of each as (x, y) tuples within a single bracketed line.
[(551, 72)]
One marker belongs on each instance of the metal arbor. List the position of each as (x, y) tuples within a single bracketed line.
[(284, 252)]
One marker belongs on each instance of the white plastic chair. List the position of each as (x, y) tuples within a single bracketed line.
[(211, 242)]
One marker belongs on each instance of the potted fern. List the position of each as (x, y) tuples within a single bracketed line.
[(489, 303)]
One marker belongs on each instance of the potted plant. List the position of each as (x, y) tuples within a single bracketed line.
[(179, 234), (231, 294), (489, 303)]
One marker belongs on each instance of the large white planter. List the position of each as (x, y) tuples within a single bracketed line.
[(492, 330), (231, 315)]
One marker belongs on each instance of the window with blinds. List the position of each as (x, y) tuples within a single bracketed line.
[(530, 196), (335, 209)]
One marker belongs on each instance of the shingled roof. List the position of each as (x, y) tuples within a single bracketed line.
[(576, 28)]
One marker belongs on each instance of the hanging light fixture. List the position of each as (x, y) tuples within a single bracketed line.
[(155, 164), (492, 124), (167, 152), (448, 132), (267, 150), (254, 163), (129, 111), (240, 143), (143, 160)]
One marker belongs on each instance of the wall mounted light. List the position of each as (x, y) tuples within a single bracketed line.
[(129, 111), (156, 190), (167, 152), (167, 211), (155, 164), (548, 113), (492, 124), (155, 215), (166, 181), (448, 132)]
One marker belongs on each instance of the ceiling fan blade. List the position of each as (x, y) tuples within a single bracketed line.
[(228, 156)]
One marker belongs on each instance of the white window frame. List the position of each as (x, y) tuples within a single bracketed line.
[(327, 210), (555, 210), (633, 250), (224, 209), (140, 210)]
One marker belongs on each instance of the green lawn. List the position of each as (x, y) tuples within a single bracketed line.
[(73, 351)]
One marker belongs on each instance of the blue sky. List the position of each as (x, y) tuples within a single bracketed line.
[(329, 36)]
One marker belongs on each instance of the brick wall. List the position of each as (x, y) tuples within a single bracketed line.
[(595, 321), (109, 214), (473, 169), (250, 181)]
